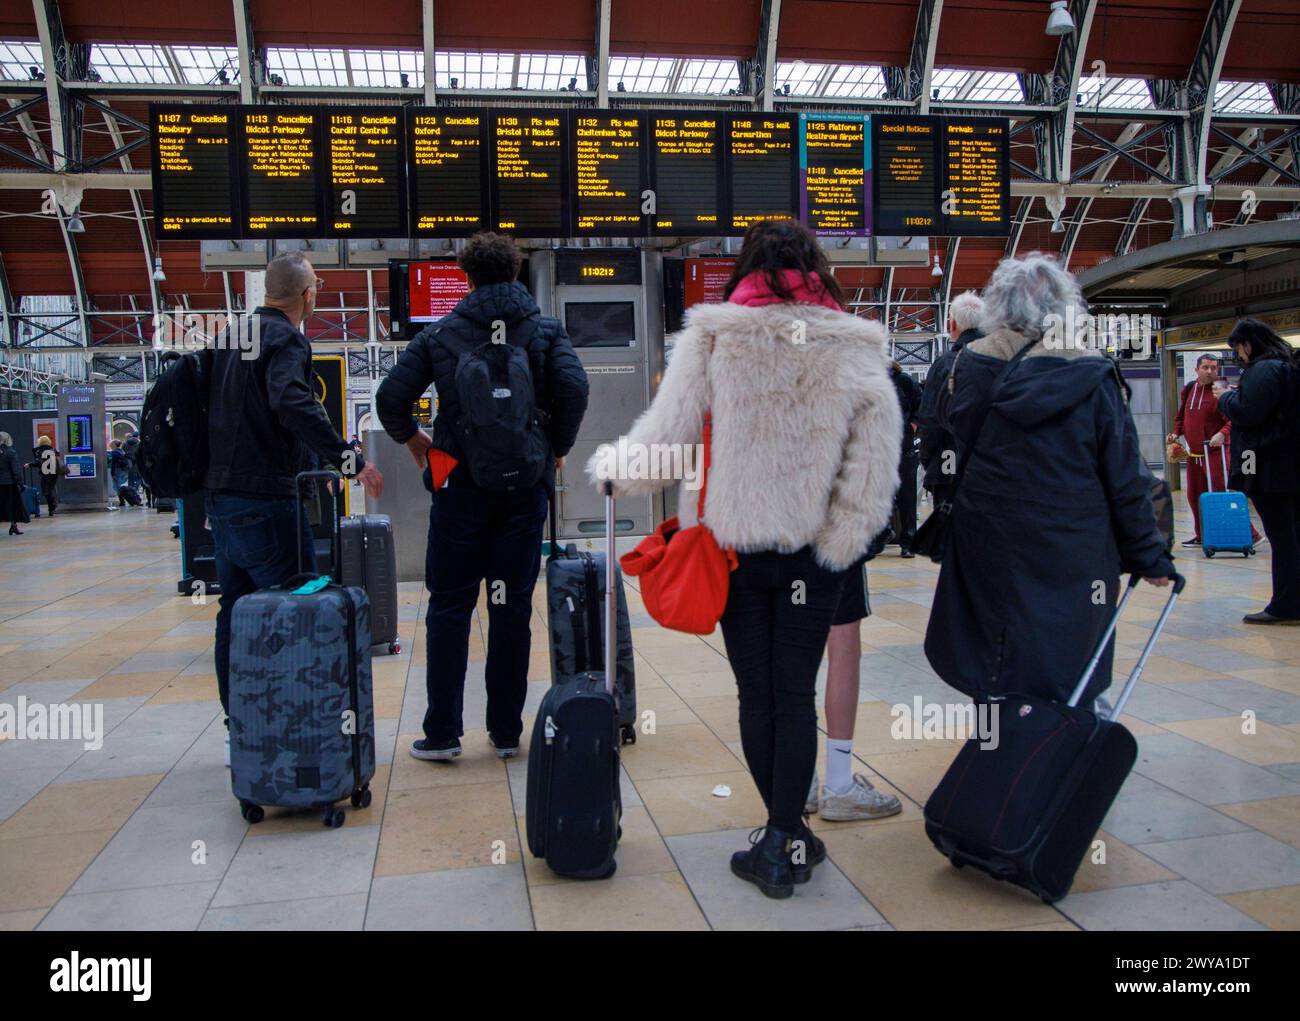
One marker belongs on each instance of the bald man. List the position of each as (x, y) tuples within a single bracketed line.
[(263, 425)]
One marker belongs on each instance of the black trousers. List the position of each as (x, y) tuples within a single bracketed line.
[(778, 614), (1280, 515), (905, 501)]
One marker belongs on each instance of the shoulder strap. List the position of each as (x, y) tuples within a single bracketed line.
[(707, 438), (985, 406)]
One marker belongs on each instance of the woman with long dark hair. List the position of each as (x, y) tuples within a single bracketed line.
[(1266, 454), (804, 464)]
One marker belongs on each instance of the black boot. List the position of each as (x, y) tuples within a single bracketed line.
[(767, 863), (806, 854)]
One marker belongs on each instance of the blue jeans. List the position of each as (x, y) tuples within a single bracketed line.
[(256, 547), (476, 535)]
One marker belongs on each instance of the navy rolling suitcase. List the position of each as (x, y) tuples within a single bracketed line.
[(369, 561), (1225, 515), (302, 727), (575, 805), (1026, 811), (575, 599)]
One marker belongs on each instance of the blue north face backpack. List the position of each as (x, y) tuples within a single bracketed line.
[(500, 428)]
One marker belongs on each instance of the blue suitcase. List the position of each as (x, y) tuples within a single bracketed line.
[(1225, 516), (302, 720), (32, 501)]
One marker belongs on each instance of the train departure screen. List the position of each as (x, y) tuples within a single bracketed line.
[(193, 171), (608, 173), (448, 171), (367, 163), (686, 173), (977, 173), (762, 160), (834, 198), (529, 173), (906, 164), (281, 171)]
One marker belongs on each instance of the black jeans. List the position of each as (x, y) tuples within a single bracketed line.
[(778, 615), (905, 501), (1280, 515), (476, 535), (256, 547)]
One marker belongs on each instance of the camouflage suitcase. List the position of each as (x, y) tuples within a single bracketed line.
[(302, 727), (575, 599)]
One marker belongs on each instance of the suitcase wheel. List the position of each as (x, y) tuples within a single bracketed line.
[(1208, 551), (1250, 551), (394, 648), (252, 813), (627, 733), (361, 798), (333, 818)]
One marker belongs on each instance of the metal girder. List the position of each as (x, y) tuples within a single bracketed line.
[(146, 242), (1122, 150), (136, 180), (1070, 54), (920, 68), (111, 117), (430, 54), (1202, 80), (244, 43), (7, 308), (1254, 155), (763, 70), (18, 111), (1080, 218), (601, 77)]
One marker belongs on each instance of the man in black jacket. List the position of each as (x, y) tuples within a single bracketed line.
[(479, 530), (263, 423)]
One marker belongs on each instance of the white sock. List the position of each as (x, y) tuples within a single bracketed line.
[(839, 765)]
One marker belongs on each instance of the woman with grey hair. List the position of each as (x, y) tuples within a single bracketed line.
[(1051, 503), (11, 482)]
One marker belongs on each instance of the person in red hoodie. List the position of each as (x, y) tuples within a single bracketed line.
[(1207, 432)]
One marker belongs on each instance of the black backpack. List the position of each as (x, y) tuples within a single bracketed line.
[(500, 430), (173, 454)]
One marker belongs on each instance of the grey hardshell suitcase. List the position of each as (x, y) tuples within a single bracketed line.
[(302, 727), (574, 801), (369, 561), (575, 599)]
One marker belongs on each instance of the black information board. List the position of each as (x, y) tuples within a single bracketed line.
[(529, 173), (366, 160), (763, 168), (282, 171), (686, 172), (941, 175), (609, 176), (834, 197), (448, 157), (194, 162)]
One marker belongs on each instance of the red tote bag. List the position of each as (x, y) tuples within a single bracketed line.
[(684, 573)]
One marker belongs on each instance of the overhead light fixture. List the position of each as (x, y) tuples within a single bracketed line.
[(620, 88), (1059, 21), (936, 270), (75, 226), (455, 83), (158, 275), (934, 94), (406, 81), (1057, 226), (573, 84)]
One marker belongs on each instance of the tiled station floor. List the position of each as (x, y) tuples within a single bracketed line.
[(144, 833)]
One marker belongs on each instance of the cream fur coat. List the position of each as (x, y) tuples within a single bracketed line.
[(806, 428)]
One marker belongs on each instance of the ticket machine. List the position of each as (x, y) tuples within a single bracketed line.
[(610, 301), (84, 434)]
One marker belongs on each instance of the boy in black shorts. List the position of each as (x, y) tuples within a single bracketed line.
[(847, 795)]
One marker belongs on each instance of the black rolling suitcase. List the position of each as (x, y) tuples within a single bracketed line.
[(1027, 811), (574, 802), (575, 598), (369, 561)]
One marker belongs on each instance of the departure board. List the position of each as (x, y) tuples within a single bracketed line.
[(448, 157), (281, 171), (367, 172), (762, 159), (834, 196), (609, 176), (193, 171), (529, 173), (941, 175), (686, 173), (977, 172), (906, 165)]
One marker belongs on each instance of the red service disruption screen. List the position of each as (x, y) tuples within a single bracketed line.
[(434, 288)]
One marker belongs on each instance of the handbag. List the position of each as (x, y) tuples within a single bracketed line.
[(931, 538), (685, 575)]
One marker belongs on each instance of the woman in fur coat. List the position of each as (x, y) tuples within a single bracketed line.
[(802, 475)]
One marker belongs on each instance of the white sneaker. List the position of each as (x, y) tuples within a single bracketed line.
[(862, 801), (810, 805)]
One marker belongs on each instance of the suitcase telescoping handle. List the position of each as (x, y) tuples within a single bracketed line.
[(1140, 665), (336, 545), (611, 596), (1209, 475)]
